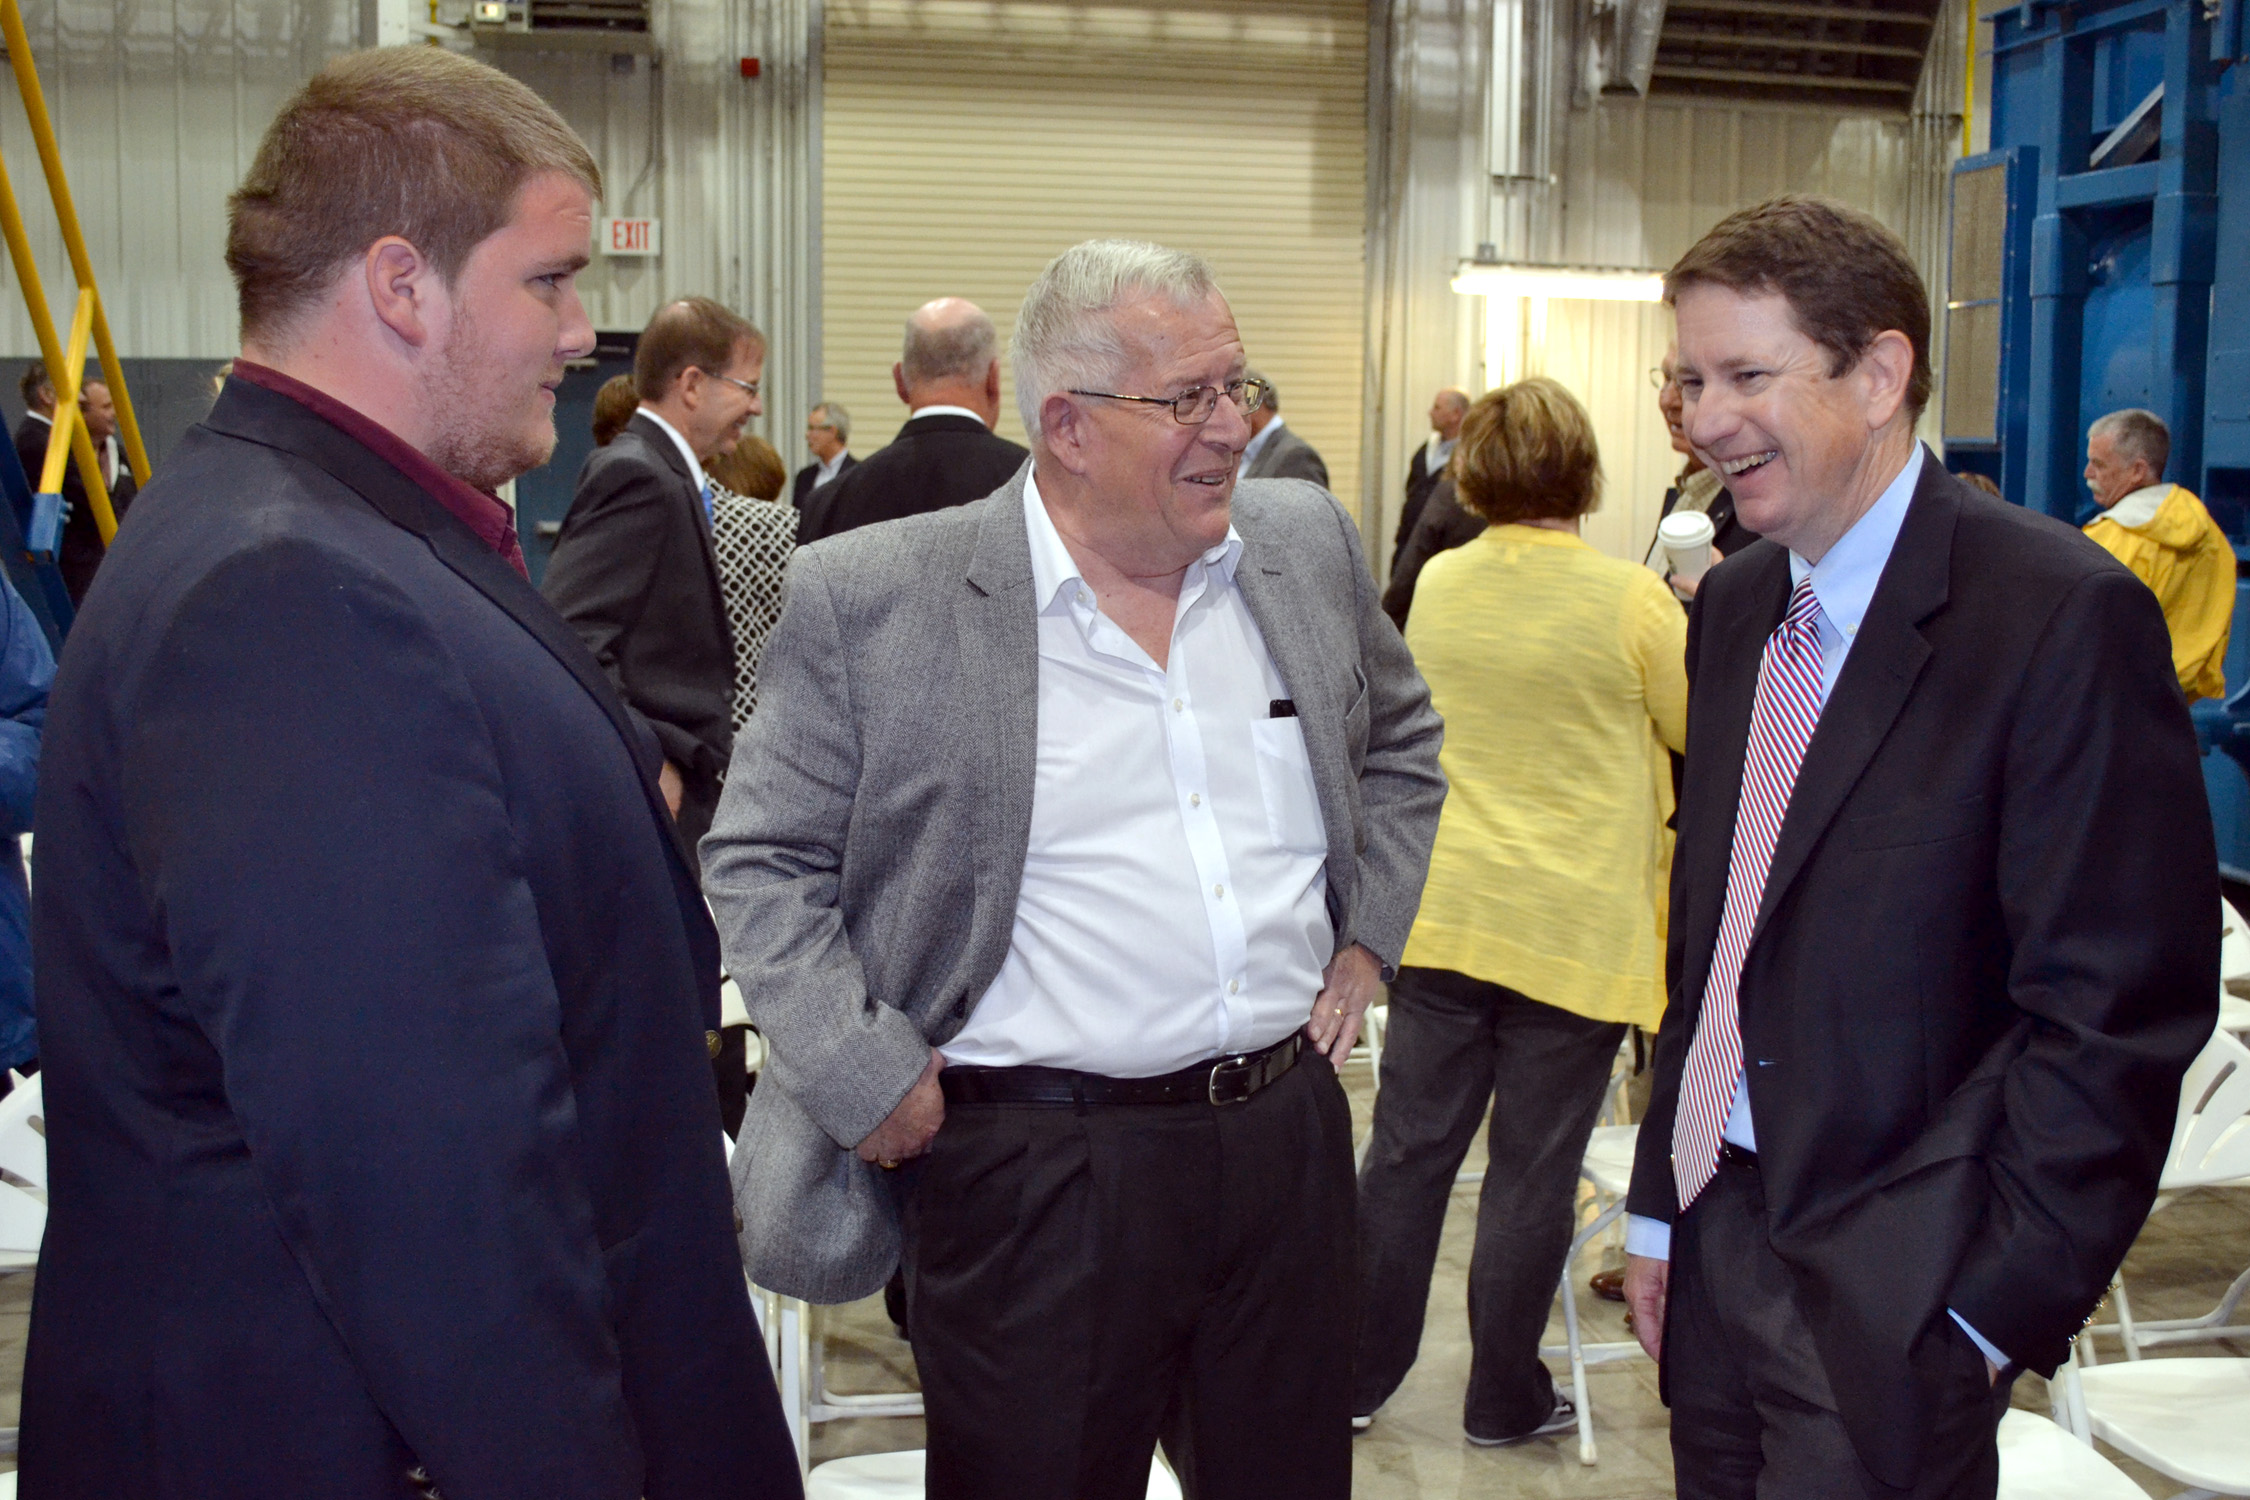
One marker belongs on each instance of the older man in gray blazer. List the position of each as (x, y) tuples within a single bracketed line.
[(1074, 833)]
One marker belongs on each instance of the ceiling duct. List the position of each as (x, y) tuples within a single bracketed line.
[(1625, 35)]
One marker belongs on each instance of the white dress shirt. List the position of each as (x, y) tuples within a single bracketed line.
[(830, 468), (695, 465), (1174, 897), (1436, 451), (919, 412)]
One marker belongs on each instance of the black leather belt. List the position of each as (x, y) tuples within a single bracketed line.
[(1224, 1080), (1735, 1156)]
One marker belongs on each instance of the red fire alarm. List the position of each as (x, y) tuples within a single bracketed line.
[(749, 67)]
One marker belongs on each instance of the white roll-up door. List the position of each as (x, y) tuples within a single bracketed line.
[(967, 142)]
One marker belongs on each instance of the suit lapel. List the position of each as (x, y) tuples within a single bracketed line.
[(1274, 599), (261, 416), (996, 623), (1887, 656), (699, 521)]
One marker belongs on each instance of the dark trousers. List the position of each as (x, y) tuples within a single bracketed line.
[(1083, 1281), (1752, 1411), (1456, 1045)]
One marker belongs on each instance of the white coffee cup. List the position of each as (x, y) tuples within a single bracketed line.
[(1686, 535)]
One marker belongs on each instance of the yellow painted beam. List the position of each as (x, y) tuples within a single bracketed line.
[(70, 437), (66, 212), (59, 368)]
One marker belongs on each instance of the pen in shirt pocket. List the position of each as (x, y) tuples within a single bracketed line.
[(1282, 708)]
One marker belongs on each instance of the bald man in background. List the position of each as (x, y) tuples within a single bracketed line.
[(948, 375)]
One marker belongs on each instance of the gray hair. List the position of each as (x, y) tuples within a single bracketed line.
[(2135, 433), (955, 351), (1064, 336), (838, 418)]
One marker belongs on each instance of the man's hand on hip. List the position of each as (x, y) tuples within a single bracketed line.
[(672, 785), (913, 1124), (1647, 1283), (1347, 987)]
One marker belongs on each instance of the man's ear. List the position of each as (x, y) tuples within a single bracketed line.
[(1887, 368), (898, 382), (1066, 432), (402, 288)]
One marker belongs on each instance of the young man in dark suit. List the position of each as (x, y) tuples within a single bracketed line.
[(828, 436), (373, 986), (946, 454), (1941, 934), (633, 571)]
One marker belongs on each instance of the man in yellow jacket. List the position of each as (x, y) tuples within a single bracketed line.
[(2162, 532)]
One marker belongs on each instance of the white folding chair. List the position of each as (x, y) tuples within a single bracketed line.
[(23, 1187), (1608, 1167), (2188, 1419), (2234, 970), (794, 1345), (898, 1476), (2210, 1148), (2041, 1461)]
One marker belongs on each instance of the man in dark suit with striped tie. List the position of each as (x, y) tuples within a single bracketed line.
[(633, 571), (1941, 941)]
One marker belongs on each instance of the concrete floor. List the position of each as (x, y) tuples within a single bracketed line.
[(1415, 1451)]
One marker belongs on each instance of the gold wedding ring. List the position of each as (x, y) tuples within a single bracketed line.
[(888, 1166)]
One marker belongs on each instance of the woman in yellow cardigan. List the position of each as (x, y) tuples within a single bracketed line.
[(1561, 675)]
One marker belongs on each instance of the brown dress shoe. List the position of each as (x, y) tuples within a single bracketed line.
[(1608, 1285)]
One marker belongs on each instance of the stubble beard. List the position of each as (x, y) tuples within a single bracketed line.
[(476, 436)]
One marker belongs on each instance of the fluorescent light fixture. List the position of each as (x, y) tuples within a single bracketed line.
[(1477, 278)]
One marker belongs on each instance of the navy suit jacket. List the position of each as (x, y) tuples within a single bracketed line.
[(374, 991), (1986, 952)]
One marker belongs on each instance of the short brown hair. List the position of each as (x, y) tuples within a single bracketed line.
[(1527, 453), (754, 468), (1846, 278), (694, 332), (614, 405), (409, 141)]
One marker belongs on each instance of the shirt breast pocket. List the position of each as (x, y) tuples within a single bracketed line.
[(1285, 779)]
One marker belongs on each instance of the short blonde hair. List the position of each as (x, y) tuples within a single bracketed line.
[(1527, 453), (409, 141)]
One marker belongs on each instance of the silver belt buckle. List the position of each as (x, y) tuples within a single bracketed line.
[(1230, 1073)]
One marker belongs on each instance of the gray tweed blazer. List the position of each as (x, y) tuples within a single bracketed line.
[(867, 854)]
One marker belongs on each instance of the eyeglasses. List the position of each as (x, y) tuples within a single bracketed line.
[(1658, 379), (747, 387), (1194, 408)]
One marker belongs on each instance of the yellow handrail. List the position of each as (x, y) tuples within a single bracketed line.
[(61, 370), (81, 264)]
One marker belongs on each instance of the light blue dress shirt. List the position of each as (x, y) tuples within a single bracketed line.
[(1844, 582)]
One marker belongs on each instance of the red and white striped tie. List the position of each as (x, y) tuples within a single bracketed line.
[(1781, 725)]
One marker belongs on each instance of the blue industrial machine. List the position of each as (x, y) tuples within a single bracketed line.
[(2101, 259)]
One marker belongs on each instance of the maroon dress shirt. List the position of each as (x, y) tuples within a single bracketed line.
[(485, 514)]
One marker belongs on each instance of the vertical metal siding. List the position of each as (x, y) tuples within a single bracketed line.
[(968, 143), (160, 105)]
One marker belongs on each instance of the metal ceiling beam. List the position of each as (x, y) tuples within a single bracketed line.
[(1780, 80), (1803, 11), (1793, 43)]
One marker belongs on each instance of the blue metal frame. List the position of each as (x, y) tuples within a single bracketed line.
[(2001, 458)]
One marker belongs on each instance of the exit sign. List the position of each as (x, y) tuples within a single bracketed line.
[(631, 236)]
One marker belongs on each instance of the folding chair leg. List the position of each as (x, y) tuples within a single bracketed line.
[(1577, 1346), (2124, 1303)]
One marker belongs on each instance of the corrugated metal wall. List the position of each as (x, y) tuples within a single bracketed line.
[(1635, 184), (160, 105), (967, 142)]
